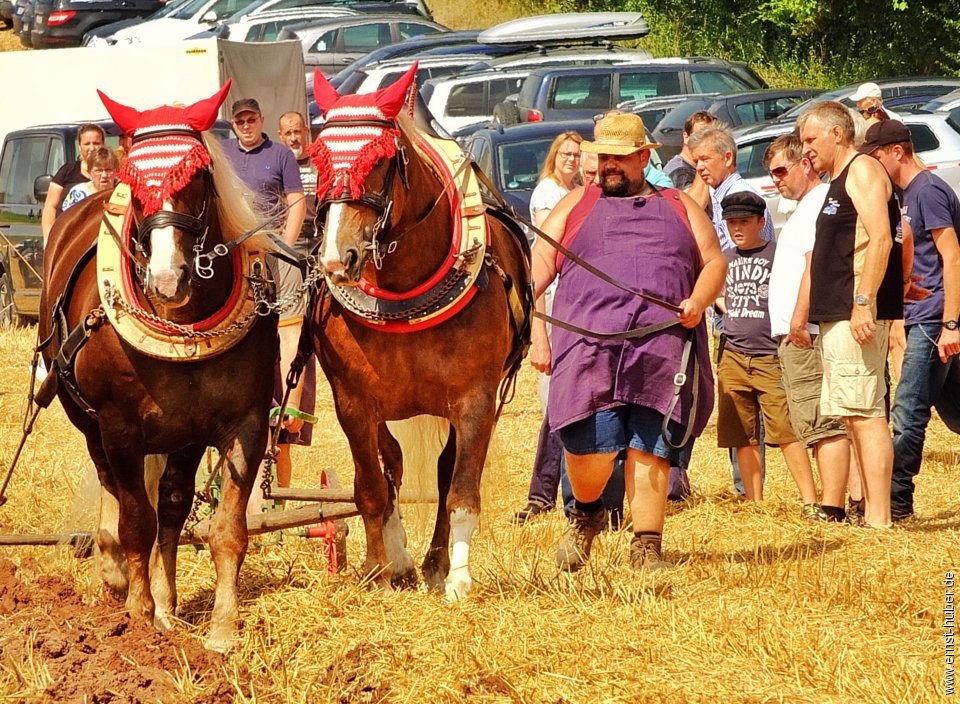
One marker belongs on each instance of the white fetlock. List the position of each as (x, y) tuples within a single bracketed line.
[(459, 583)]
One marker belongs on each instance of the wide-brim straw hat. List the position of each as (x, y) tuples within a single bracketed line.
[(619, 134)]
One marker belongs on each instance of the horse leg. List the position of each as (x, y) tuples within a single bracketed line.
[(173, 506), (394, 535), (228, 531), (113, 562), (474, 428), (436, 564), (137, 523), (370, 493)]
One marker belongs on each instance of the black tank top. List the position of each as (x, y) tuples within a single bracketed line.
[(838, 257)]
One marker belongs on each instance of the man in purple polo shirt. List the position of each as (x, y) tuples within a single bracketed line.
[(270, 170)]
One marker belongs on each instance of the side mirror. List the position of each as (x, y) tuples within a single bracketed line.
[(41, 184), (209, 17)]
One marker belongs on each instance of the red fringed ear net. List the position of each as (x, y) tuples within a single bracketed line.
[(156, 168), (345, 156)]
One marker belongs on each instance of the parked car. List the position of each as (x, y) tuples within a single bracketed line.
[(29, 159), (580, 92), (897, 93), (948, 105), (100, 36), (733, 109), (329, 45), (266, 26), (513, 156), (62, 23), (936, 140), (473, 94)]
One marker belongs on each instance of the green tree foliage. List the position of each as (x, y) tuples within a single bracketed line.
[(817, 42)]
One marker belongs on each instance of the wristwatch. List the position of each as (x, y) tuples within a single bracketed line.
[(861, 299), (950, 325)]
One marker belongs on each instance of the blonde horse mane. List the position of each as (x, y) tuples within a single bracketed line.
[(235, 208)]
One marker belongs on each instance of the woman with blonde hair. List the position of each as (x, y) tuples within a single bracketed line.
[(558, 176)]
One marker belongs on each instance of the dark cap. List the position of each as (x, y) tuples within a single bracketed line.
[(883, 133), (743, 204), (245, 105)]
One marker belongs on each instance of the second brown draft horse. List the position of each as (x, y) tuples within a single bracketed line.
[(195, 369), (424, 315)]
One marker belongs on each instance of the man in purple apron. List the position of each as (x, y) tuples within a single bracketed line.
[(608, 395)]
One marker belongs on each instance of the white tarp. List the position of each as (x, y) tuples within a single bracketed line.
[(63, 83)]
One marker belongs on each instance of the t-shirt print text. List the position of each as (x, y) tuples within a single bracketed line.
[(832, 206)]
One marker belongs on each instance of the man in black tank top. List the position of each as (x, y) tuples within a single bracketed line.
[(855, 292)]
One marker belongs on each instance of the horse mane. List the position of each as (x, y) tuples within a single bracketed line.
[(410, 131), (235, 208)]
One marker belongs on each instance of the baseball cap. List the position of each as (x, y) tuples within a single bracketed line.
[(245, 105), (866, 90), (619, 134), (883, 133), (743, 204)]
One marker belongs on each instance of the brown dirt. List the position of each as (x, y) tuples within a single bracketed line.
[(98, 654)]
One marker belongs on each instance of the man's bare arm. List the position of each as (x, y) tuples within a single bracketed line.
[(544, 255), (801, 310), (945, 239), (714, 269), (297, 205)]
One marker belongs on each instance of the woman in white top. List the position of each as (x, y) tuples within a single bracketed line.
[(559, 175), (102, 166)]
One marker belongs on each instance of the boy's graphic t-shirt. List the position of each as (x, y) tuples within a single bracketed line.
[(746, 294)]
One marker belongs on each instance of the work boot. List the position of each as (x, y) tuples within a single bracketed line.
[(855, 508), (645, 553), (532, 510), (574, 549)]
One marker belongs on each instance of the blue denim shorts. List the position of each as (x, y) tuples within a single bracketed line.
[(616, 429)]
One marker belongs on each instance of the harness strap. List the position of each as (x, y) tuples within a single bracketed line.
[(64, 364), (679, 381), (626, 335)]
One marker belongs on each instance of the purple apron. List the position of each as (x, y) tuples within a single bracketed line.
[(646, 245)]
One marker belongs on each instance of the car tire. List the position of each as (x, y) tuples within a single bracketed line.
[(8, 313), (506, 113)]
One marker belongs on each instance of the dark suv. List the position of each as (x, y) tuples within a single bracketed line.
[(577, 92), (62, 23)]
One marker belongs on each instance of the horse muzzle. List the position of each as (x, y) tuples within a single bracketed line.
[(170, 286), (344, 268)]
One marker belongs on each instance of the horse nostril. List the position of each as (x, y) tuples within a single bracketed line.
[(350, 257)]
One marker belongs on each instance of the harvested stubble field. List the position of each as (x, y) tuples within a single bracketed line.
[(763, 607)]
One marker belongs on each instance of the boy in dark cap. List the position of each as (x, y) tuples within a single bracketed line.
[(748, 375)]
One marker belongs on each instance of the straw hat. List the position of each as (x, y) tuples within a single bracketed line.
[(619, 134)]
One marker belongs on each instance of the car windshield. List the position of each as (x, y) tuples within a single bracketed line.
[(520, 163), (185, 10), (169, 9)]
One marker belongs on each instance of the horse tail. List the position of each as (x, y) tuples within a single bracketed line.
[(422, 439)]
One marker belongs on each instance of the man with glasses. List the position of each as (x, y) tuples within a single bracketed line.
[(789, 303), (870, 104), (270, 171)]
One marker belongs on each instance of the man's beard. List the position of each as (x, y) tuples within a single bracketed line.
[(297, 152), (623, 187)]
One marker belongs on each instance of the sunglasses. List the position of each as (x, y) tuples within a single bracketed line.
[(872, 110), (781, 172), (248, 121)]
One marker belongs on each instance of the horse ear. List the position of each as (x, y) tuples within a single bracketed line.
[(127, 118), (391, 99), (324, 93), (202, 114)]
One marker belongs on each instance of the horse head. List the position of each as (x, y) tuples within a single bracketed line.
[(167, 169), (358, 153)]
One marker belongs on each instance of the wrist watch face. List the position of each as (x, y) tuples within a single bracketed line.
[(861, 300), (950, 325)]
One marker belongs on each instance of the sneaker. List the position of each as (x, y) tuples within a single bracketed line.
[(899, 515), (645, 554), (855, 509), (531, 510), (813, 512), (574, 549)]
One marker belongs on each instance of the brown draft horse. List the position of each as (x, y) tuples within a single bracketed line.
[(130, 405), (387, 225)]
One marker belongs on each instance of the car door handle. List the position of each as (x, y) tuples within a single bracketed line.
[(346, 60)]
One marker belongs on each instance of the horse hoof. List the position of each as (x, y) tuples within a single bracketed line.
[(458, 586), (221, 641), (406, 579), (163, 623)]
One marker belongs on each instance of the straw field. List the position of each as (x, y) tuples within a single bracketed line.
[(762, 606)]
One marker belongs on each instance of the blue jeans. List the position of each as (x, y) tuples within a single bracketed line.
[(925, 382)]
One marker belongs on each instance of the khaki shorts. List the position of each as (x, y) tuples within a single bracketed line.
[(288, 280), (802, 381), (853, 376), (749, 386)]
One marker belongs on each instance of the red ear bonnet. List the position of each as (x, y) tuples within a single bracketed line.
[(351, 143), (163, 159)]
